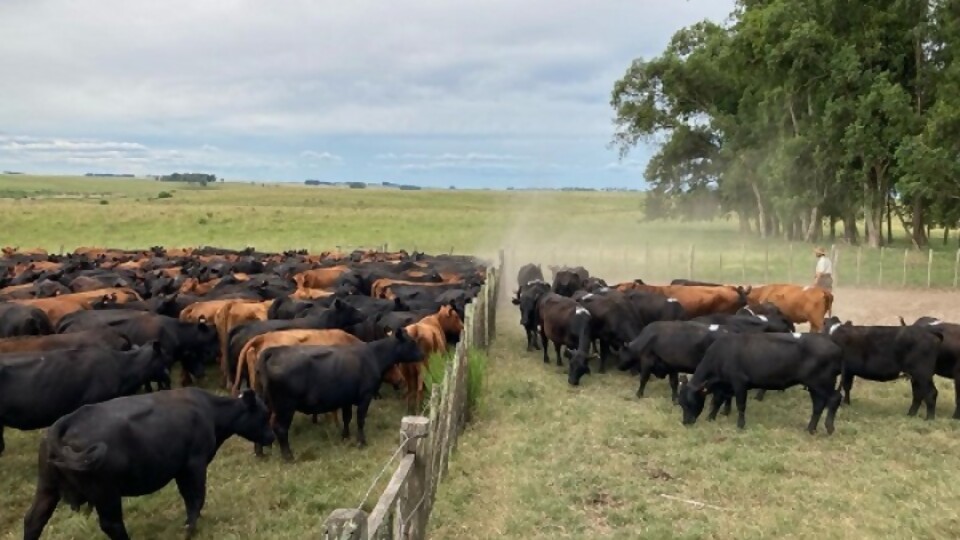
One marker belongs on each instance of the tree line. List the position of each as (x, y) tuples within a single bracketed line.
[(796, 113)]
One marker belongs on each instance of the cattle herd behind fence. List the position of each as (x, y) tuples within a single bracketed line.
[(772, 262), (426, 442)]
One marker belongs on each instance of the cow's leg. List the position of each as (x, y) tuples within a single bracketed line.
[(847, 383), (362, 409), (818, 401), (281, 428), (110, 514), (45, 500), (192, 484), (930, 397), (674, 378), (557, 348), (604, 353), (740, 394), (313, 419), (718, 398), (760, 393), (3, 445), (546, 350), (347, 414), (833, 403), (918, 396), (644, 378), (727, 403), (956, 399)]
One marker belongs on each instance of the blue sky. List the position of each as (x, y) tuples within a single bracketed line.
[(432, 92)]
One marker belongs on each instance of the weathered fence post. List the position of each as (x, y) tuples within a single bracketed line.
[(880, 279), (720, 269), (956, 267), (906, 252), (690, 264), (929, 266), (413, 506), (346, 524), (859, 253)]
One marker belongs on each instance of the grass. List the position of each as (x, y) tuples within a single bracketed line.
[(546, 460), (550, 227), (542, 460)]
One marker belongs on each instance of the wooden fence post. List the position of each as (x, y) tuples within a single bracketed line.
[(956, 266), (720, 269), (413, 506), (346, 524), (690, 264), (929, 266), (906, 252), (880, 279), (859, 252)]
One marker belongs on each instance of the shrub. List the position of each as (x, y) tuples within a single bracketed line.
[(104, 201), (164, 195)]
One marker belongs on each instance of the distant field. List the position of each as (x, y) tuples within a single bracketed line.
[(548, 227)]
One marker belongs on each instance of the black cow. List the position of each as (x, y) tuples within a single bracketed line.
[(317, 379), (613, 321), (133, 446), (340, 315), (104, 337), (19, 320), (734, 364), (567, 282), (566, 324), (668, 348), (652, 307), (742, 322), (882, 353), (528, 272), (37, 388), (948, 360), (528, 301)]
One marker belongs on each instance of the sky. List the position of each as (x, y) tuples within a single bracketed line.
[(477, 94)]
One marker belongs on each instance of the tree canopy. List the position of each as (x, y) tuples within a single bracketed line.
[(798, 111)]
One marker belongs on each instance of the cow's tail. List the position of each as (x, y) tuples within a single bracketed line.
[(643, 342), (828, 303), (902, 322), (90, 459)]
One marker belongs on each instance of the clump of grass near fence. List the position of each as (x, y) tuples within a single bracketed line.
[(476, 372)]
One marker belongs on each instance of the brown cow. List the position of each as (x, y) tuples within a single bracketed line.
[(696, 300), (320, 278), (799, 304), (205, 311), (381, 287), (310, 294), (231, 315), (57, 307), (430, 334)]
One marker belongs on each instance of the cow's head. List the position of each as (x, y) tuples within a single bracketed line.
[(579, 366), (253, 424), (405, 349), (691, 399)]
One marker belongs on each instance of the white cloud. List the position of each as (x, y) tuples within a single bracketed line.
[(631, 165), (320, 156)]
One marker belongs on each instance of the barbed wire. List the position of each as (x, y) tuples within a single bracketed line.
[(376, 479)]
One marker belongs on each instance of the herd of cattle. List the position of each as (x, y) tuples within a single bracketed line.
[(81, 335), (730, 339)]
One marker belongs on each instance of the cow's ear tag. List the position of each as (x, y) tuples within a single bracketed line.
[(796, 335), (714, 327)]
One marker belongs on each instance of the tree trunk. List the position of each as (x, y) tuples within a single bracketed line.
[(833, 229), (809, 232), (763, 224), (871, 215), (946, 234), (889, 199), (919, 228)]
